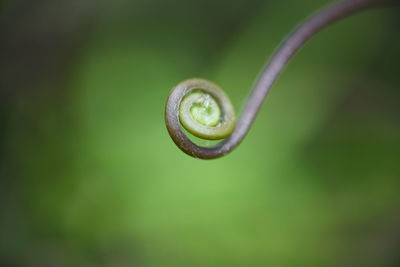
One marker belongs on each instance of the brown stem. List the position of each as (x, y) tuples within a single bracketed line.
[(278, 61)]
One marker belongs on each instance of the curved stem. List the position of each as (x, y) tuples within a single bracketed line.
[(275, 66)]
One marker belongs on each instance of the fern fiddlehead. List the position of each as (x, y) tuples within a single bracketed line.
[(205, 110)]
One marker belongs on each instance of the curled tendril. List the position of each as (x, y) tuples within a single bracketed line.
[(206, 111)]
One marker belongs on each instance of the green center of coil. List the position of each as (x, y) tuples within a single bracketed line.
[(205, 109)]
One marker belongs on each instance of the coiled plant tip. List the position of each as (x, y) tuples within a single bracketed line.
[(204, 110)]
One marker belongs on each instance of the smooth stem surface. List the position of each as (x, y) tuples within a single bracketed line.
[(275, 66)]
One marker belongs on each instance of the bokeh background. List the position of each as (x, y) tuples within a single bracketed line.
[(90, 176)]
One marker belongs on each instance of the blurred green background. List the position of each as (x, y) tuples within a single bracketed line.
[(90, 176)]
